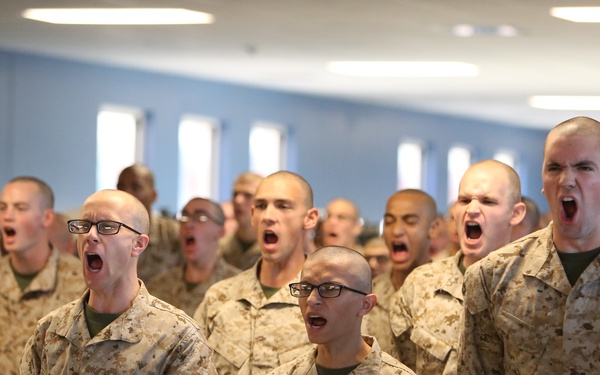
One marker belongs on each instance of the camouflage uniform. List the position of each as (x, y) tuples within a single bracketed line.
[(151, 337), (377, 322), (171, 286), (427, 317), (163, 251), (59, 282), (376, 362), (250, 333), (233, 252), (523, 317)]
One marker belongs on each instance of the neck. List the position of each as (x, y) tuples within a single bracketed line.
[(114, 300), (344, 353), (246, 233), (398, 278), (279, 274), (197, 272), (32, 260)]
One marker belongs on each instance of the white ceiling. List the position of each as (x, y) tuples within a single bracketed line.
[(286, 44)]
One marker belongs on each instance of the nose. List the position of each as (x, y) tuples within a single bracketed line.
[(269, 214), (398, 229), (567, 178), (473, 207), (313, 298), (92, 235)]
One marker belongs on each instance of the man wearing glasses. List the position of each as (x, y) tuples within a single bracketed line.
[(201, 226), (333, 302), (250, 320), (116, 326)]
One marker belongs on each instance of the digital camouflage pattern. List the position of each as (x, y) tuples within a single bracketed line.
[(377, 322), (163, 251), (171, 286), (233, 252), (59, 282), (427, 317), (376, 362), (523, 317), (151, 337), (249, 333)]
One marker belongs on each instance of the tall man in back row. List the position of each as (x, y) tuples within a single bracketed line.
[(532, 306), (250, 320), (427, 311)]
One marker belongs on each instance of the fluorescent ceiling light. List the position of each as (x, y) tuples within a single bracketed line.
[(119, 16), (466, 30), (577, 14), (566, 103), (403, 68)]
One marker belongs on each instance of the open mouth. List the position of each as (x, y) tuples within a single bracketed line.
[(569, 207), (398, 247), (316, 321), (9, 232), (190, 240), (270, 237), (94, 262), (473, 230)]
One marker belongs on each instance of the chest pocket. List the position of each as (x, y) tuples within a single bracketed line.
[(226, 348), (430, 344)]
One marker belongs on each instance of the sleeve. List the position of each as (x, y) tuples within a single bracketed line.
[(481, 348), (31, 360), (193, 356), (401, 325)]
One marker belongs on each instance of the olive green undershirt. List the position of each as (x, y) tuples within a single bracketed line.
[(96, 321), (23, 280), (335, 371), (575, 263), (268, 291)]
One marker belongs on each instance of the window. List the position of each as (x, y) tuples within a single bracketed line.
[(410, 165), (507, 157), (199, 139), (267, 148), (459, 160), (119, 143)]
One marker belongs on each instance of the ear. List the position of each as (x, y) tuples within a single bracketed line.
[(154, 195), (48, 217), (435, 227), (221, 232), (519, 210), (140, 244), (357, 228), (368, 303), (311, 219)]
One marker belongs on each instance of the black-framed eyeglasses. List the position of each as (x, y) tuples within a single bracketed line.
[(198, 217), (107, 227), (326, 290)]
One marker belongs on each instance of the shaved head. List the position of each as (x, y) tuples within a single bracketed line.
[(353, 260), (304, 185), (128, 207)]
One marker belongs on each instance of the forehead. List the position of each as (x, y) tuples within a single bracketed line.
[(402, 204), (24, 190), (323, 270), (101, 207), (246, 186), (571, 148), (280, 188), (341, 206), (376, 249), (484, 180), (198, 205)]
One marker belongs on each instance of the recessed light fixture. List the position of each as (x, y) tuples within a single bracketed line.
[(466, 30), (403, 68), (577, 14), (566, 103), (118, 16)]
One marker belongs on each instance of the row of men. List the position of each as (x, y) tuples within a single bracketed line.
[(253, 325)]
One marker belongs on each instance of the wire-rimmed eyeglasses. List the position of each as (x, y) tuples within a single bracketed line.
[(198, 217), (326, 290), (107, 227)]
